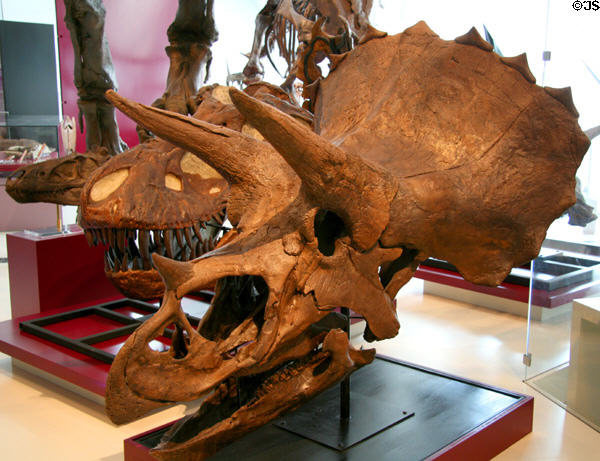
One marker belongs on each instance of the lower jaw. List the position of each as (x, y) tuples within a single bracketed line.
[(140, 284), (195, 438)]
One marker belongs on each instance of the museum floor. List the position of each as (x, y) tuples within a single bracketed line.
[(41, 420)]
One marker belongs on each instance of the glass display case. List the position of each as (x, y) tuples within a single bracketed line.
[(29, 110)]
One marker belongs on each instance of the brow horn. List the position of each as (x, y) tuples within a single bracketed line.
[(358, 191)]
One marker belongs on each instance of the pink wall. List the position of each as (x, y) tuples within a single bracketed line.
[(137, 36)]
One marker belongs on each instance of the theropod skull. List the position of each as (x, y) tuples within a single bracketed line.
[(419, 147)]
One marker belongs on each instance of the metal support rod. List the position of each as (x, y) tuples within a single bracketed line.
[(59, 226), (345, 384)]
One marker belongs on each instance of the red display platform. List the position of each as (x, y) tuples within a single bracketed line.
[(51, 272), (73, 367), (548, 299), (454, 419), (69, 365)]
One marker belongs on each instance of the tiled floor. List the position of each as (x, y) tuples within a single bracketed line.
[(41, 420)]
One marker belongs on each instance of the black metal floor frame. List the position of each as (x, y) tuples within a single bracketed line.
[(84, 345)]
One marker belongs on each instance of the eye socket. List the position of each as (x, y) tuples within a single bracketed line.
[(328, 228), (173, 182), (108, 184)]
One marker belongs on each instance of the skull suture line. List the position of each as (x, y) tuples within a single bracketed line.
[(421, 147)]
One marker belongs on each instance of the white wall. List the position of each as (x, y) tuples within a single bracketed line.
[(38, 11)]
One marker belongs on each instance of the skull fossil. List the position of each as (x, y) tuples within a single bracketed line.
[(420, 147), (57, 180), (151, 198)]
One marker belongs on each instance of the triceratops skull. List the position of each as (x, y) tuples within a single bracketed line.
[(420, 147)]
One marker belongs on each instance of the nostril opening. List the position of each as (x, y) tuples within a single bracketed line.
[(328, 228)]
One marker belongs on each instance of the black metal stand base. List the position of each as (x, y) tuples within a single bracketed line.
[(453, 419), (319, 420)]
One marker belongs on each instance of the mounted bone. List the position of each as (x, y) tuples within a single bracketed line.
[(302, 24), (335, 60)]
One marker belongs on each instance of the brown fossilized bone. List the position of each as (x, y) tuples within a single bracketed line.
[(57, 180), (420, 147), (94, 74), (191, 34), (282, 21)]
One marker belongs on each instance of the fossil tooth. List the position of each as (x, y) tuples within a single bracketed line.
[(112, 236), (132, 233), (106, 264), (144, 243), (187, 232), (120, 236), (115, 260), (219, 218), (95, 235), (104, 235), (136, 264), (125, 262), (168, 241), (158, 241), (89, 237), (179, 237), (196, 228), (194, 251)]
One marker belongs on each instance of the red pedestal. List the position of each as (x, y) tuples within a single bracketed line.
[(548, 299), (454, 419), (67, 364), (73, 367), (56, 271)]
